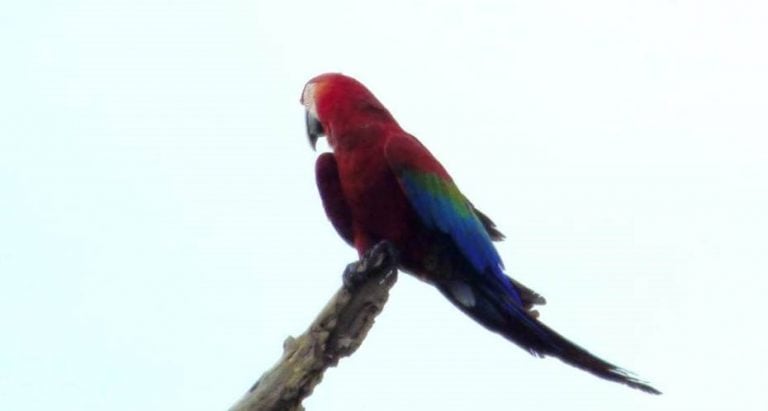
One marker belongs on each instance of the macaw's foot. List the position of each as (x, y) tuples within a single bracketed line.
[(381, 257)]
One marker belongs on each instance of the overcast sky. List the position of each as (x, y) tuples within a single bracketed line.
[(161, 234)]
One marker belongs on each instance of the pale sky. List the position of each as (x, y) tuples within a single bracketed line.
[(161, 234)]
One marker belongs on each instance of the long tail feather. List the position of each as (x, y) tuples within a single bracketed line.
[(501, 314)]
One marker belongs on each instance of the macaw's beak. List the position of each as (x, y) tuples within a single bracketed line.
[(314, 129)]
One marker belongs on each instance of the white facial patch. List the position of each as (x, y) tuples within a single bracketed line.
[(308, 97), (463, 294)]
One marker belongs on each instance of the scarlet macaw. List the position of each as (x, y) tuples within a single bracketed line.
[(381, 184)]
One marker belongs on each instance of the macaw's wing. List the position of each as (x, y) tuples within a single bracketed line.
[(334, 202), (440, 205), (484, 293)]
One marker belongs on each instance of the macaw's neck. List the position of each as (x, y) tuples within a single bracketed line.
[(367, 129)]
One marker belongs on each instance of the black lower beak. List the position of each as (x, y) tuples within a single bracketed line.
[(314, 129)]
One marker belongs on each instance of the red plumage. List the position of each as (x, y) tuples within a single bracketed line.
[(360, 192)]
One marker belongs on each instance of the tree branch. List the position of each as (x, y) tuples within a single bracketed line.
[(338, 331)]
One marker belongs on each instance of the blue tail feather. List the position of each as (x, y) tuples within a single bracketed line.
[(500, 310)]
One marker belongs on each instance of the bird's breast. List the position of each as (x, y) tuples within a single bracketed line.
[(380, 210)]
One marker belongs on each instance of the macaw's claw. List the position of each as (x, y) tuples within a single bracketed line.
[(381, 257)]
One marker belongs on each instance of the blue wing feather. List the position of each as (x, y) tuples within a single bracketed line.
[(441, 206)]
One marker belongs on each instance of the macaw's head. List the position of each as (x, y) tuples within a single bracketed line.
[(337, 105)]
